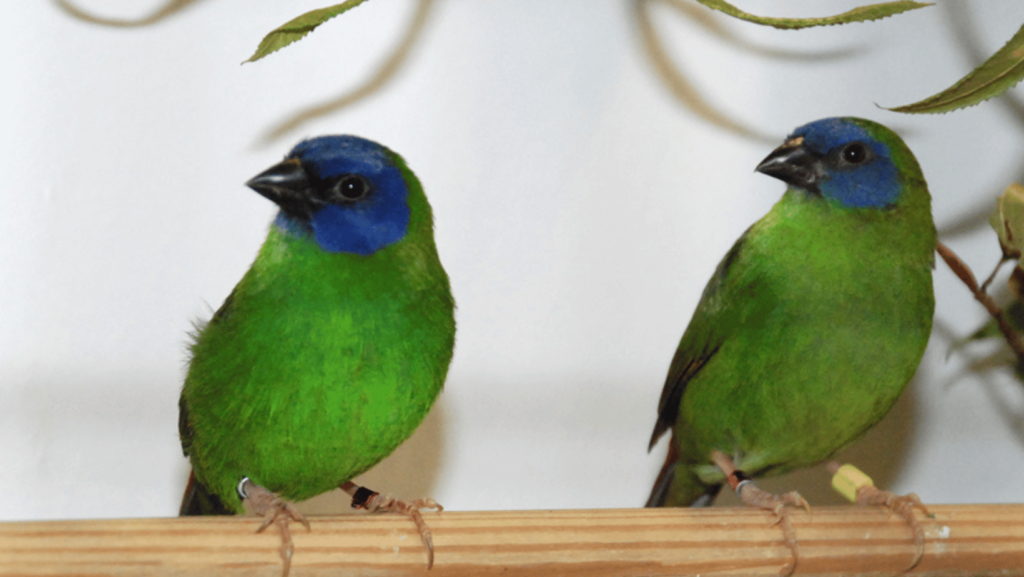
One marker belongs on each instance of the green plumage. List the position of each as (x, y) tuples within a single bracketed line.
[(319, 364), (808, 331)]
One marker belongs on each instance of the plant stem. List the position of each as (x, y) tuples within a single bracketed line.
[(1013, 338)]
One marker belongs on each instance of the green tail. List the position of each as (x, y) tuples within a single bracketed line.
[(678, 486)]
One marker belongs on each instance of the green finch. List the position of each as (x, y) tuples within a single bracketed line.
[(330, 350), (812, 324)]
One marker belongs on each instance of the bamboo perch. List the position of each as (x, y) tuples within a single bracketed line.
[(961, 540)]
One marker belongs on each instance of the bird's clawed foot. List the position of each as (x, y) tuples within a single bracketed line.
[(853, 484), (274, 510), (903, 505), (372, 501), (754, 496)]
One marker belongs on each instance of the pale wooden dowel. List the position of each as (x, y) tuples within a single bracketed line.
[(961, 540)]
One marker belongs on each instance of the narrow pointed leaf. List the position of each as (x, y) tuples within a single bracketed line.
[(861, 14), (296, 29), (999, 73)]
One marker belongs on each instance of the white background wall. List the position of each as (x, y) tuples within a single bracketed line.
[(580, 209)]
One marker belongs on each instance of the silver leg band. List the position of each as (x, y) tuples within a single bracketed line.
[(241, 488), (739, 486)]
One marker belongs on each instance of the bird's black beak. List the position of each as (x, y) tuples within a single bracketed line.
[(287, 184), (794, 164)]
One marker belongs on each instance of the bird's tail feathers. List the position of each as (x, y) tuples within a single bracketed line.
[(678, 486), (659, 491), (198, 500)]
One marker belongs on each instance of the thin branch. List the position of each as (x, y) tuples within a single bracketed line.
[(162, 13), (381, 77), (992, 277), (961, 270), (677, 82)]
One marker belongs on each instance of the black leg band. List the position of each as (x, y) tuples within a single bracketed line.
[(736, 479), (362, 497)]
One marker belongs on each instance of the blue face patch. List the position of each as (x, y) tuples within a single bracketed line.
[(874, 183), (362, 226)]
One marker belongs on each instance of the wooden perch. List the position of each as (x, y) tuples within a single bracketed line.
[(961, 540)]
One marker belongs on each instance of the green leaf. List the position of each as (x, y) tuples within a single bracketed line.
[(996, 75), (1008, 221), (296, 29), (861, 14)]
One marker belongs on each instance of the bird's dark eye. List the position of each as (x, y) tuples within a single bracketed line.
[(350, 187), (854, 153)]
